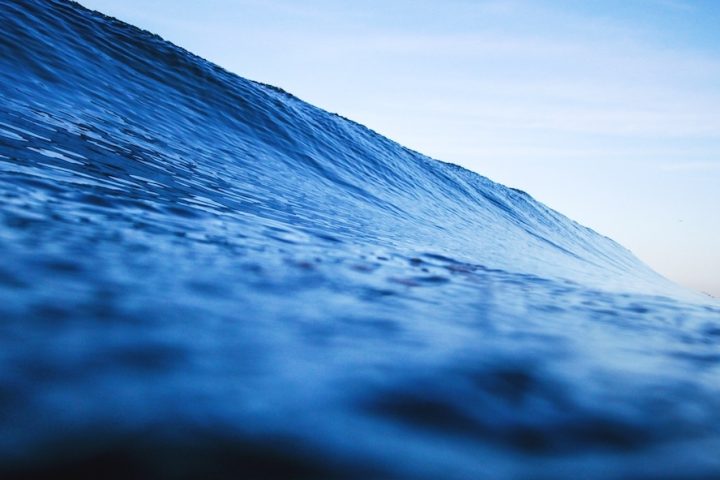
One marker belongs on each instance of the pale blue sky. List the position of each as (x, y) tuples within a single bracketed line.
[(606, 110)]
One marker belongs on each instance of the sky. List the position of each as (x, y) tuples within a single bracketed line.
[(605, 110)]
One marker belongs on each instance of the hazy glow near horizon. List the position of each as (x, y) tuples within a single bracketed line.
[(606, 111)]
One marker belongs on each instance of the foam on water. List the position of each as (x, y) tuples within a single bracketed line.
[(204, 276)]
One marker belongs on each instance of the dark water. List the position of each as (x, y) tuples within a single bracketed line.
[(205, 277)]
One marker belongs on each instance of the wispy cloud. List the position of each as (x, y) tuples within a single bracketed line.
[(676, 5), (692, 166)]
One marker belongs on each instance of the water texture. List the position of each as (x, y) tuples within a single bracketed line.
[(205, 277)]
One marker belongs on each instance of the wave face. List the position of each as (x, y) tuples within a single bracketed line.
[(204, 276)]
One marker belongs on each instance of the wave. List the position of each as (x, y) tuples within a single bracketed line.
[(197, 262)]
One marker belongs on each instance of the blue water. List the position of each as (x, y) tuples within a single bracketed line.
[(205, 277)]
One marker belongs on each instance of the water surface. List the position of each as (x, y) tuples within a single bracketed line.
[(203, 276)]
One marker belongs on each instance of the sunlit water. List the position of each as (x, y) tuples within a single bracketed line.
[(205, 277)]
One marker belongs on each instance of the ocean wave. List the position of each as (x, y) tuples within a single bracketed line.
[(204, 275)]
